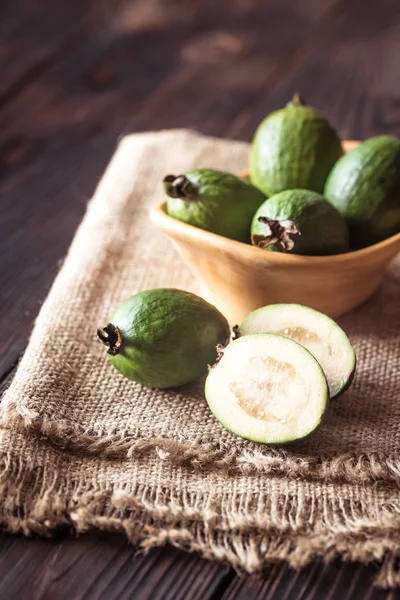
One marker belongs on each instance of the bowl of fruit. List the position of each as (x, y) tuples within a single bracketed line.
[(313, 222)]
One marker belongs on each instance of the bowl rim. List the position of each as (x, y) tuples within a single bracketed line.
[(176, 228)]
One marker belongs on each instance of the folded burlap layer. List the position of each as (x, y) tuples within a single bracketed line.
[(81, 445)]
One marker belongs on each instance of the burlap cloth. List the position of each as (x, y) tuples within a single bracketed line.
[(82, 446)]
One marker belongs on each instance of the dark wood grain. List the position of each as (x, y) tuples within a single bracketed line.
[(346, 68), (34, 37), (148, 65), (97, 566), (336, 581), (75, 76)]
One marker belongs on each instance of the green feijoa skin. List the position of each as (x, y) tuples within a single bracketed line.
[(299, 222), (294, 147), (364, 186), (317, 332), (164, 337), (213, 200), (267, 388)]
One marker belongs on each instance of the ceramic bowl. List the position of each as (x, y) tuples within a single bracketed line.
[(238, 278)]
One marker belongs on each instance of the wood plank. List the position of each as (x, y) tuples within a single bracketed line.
[(232, 70), (98, 565), (347, 69), (336, 581), (34, 35), (215, 49)]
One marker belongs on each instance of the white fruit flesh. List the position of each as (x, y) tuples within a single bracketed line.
[(267, 388), (313, 330)]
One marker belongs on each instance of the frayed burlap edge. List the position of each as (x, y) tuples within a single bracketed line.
[(247, 543), (346, 468)]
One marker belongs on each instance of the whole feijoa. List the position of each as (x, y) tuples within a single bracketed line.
[(267, 388), (364, 186), (164, 337), (300, 222), (213, 200), (294, 147)]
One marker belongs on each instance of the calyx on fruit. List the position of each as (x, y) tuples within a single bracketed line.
[(297, 100), (277, 232), (110, 336), (180, 187)]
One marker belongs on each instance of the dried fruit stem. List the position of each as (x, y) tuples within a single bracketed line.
[(235, 332), (277, 232), (297, 100), (111, 337), (180, 187)]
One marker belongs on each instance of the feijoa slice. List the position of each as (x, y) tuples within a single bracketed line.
[(267, 388), (314, 330)]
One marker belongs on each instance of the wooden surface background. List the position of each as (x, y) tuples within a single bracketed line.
[(78, 74)]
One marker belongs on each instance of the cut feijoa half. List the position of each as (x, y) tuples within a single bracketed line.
[(267, 388), (317, 332)]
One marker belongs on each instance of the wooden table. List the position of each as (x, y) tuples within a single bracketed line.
[(78, 74)]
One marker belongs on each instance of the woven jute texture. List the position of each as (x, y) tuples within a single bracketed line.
[(82, 446)]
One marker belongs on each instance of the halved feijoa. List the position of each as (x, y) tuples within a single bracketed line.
[(317, 332), (267, 388)]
